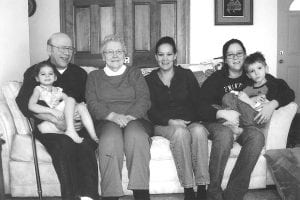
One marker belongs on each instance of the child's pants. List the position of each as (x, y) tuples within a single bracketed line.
[(231, 101)]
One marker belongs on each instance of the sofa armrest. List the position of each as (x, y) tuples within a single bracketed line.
[(7, 126), (7, 131), (276, 137)]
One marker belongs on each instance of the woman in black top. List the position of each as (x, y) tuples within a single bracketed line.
[(174, 98), (230, 78)]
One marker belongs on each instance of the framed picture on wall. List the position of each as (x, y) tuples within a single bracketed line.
[(233, 12)]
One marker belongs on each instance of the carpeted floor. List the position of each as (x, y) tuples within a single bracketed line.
[(261, 194)]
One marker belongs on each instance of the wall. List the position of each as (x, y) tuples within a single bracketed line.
[(14, 39), (207, 39), (42, 24)]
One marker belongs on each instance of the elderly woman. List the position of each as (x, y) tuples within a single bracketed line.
[(118, 99), (174, 101)]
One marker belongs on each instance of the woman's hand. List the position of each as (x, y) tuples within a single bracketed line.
[(178, 122), (231, 116), (266, 112), (119, 119)]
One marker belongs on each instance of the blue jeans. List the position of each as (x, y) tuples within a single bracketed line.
[(252, 141)]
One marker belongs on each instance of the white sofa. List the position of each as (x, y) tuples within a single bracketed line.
[(17, 157)]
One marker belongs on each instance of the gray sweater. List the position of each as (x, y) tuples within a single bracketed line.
[(126, 94)]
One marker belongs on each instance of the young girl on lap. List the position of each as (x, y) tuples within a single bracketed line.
[(58, 104)]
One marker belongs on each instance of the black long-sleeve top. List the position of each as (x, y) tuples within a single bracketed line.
[(179, 101), (72, 81), (279, 90), (213, 90), (218, 84)]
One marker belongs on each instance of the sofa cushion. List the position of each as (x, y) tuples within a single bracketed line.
[(21, 150), (10, 90)]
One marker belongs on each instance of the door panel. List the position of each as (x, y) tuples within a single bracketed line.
[(168, 20), (288, 55), (82, 29), (107, 19), (142, 27)]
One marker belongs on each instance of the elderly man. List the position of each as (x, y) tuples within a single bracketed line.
[(75, 164)]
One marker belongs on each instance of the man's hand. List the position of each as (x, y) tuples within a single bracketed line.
[(58, 114), (77, 121), (178, 122), (60, 124)]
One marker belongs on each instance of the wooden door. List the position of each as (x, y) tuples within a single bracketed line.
[(88, 22), (140, 22), (153, 19), (288, 55)]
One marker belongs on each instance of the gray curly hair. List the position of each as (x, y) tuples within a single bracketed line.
[(112, 38)]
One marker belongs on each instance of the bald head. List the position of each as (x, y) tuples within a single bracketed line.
[(59, 38), (60, 49)]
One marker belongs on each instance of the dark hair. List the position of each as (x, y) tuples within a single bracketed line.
[(230, 42), (166, 40), (39, 66), (225, 49), (253, 58)]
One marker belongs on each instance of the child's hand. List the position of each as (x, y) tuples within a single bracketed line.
[(261, 98), (58, 114)]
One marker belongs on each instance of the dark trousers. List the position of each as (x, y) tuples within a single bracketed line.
[(133, 141), (75, 164), (252, 141)]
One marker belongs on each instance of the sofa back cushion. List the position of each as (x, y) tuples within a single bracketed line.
[(10, 91)]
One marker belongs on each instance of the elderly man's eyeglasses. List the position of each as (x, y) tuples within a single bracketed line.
[(111, 53), (237, 55), (64, 49)]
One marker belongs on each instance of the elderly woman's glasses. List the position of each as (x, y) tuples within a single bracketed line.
[(237, 55), (111, 53), (64, 49)]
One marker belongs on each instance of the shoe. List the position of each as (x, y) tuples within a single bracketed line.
[(201, 192), (110, 198), (141, 195), (189, 194)]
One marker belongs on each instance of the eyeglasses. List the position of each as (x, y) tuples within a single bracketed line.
[(111, 53), (237, 55), (64, 49)]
